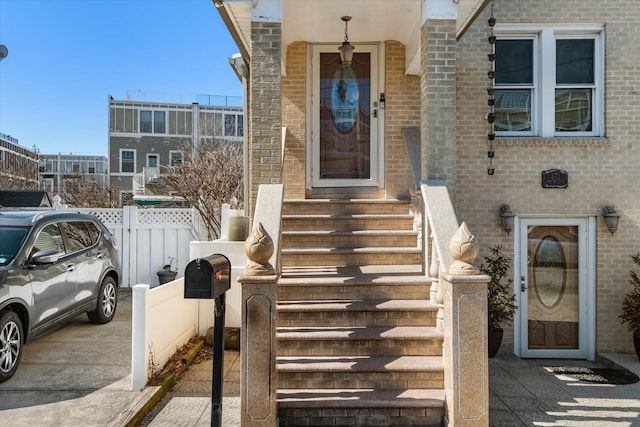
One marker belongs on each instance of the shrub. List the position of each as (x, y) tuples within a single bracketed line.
[(631, 303), (501, 304)]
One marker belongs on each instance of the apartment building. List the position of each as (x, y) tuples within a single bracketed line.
[(146, 136), (57, 170), (18, 165)]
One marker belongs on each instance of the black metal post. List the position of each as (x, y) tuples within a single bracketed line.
[(218, 361)]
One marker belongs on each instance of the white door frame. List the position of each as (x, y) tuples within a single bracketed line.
[(587, 292), (376, 125)]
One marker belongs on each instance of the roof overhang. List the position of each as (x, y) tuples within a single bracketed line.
[(318, 21)]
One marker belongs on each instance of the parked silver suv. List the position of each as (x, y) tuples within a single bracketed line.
[(53, 266)]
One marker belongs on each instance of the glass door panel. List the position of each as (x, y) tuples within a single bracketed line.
[(553, 297), (345, 149)]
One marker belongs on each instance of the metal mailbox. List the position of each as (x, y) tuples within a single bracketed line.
[(207, 278)]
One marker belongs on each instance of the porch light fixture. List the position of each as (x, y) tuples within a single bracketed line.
[(507, 218), (346, 50), (611, 217)]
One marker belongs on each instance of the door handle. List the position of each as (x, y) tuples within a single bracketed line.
[(99, 255), (523, 284), (71, 267)]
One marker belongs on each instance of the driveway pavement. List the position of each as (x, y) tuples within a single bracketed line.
[(78, 375)]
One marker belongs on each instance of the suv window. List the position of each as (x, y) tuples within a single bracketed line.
[(11, 239), (79, 235), (49, 238)]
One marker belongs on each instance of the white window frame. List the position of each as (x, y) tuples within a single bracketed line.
[(149, 156), (153, 121), (171, 155), (544, 71), (122, 150)]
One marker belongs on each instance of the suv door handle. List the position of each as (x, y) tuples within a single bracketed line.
[(99, 255), (71, 267)]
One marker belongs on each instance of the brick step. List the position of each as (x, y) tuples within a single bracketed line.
[(361, 372), (344, 206), (347, 222), (351, 239), (359, 341), (360, 407), (416, 312), (379, 282), (350, 256)]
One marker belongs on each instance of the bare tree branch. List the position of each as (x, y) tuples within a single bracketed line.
[(207, 177)]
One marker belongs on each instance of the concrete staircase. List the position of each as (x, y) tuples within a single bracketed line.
[(357, 342)]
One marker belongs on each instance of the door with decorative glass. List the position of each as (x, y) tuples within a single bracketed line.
[(555, 286), (344, 146)]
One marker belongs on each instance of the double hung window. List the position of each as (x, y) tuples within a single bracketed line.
[(153, 121), (549, 82), (127, 161)]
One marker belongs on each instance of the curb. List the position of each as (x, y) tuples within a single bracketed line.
[(159, 391)]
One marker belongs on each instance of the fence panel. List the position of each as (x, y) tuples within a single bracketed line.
[(150, 238)]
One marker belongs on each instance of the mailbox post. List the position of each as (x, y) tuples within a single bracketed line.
[(210, 278)]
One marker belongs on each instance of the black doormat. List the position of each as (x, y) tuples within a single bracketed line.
[(597, 375)]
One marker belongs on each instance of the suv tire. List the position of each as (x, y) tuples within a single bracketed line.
[(11, 340), (107, 302)]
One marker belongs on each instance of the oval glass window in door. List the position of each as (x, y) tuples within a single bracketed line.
[(549, 271), (345, 99)]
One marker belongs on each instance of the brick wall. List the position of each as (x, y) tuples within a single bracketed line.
[(439, 101), (601, 170), (266, 129), (402, 95), (294, 110)]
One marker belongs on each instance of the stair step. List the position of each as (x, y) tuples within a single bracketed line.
[(356, 238), (415, 312), (360, 364), (347, 222), (361, 398), (361, 407), (379, 282), (359, 341), (358, 333), (345, 206), (351, 256), (361, 372)]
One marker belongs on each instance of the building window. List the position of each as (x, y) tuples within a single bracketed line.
[(127, 161), (91, 168), (153, 121), (233, 125), (175, 158), (550, 82)]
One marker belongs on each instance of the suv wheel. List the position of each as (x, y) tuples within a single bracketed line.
[(10, 344), (107, 302)]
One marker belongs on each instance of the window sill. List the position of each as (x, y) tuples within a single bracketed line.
[(580, 141)]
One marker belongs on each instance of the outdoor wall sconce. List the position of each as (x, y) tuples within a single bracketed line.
[(611, 216), (508, 218), (346, 49)]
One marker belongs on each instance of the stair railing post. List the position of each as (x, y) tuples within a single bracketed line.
[(465, 335), (258, 380)]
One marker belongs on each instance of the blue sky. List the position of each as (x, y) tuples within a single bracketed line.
[(66, 57)]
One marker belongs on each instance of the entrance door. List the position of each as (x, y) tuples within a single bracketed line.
[(556, 287), (345, 126)]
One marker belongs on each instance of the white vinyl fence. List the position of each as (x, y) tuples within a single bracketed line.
[(150, 238)]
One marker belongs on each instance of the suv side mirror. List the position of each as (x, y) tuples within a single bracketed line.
[(47, 256)]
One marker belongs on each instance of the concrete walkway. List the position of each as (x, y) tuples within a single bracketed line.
[(522, 393), (80, 376)]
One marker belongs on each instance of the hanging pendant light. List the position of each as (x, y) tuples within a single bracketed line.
[(346, 50)]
